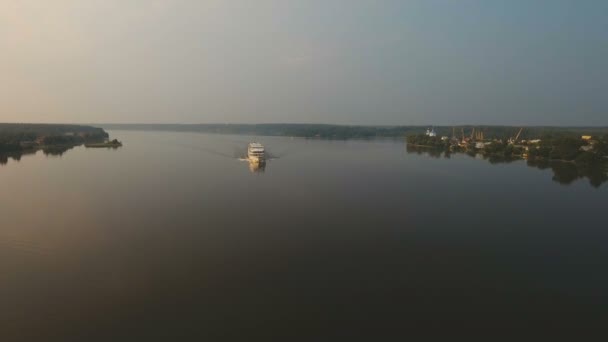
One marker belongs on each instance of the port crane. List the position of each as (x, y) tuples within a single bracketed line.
[(514, 140), (476, 134), (519, 133)]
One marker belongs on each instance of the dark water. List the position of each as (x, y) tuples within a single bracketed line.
[(173, 238)]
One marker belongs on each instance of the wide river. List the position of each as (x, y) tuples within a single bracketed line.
[(173, 237)]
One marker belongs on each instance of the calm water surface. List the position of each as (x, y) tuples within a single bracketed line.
[(173, 237)]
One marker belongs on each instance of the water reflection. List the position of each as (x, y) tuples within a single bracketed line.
[(56, 151), (50, 151), (257, 166), (431, 152), (159, 240), (564, 173), (16, 156)]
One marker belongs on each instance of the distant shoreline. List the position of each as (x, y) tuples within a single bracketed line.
[(26, 138), (345, 132)]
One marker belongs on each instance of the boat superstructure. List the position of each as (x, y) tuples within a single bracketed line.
[(256, 152)]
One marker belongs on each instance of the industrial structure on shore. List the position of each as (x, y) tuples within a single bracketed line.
[(476, 140)]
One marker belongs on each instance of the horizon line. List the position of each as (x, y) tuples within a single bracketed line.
[(302, 124)]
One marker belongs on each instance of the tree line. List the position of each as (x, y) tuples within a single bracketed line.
[(17, 137), (359, 132)]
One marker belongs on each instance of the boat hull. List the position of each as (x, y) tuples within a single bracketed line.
[(256, 159)]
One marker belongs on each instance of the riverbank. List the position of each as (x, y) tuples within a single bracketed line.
[(108, 144), (18, 140), (21, 138)]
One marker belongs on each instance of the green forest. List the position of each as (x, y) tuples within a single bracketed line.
[(19, 137)]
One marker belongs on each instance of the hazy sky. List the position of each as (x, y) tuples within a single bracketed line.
[(323, 61)]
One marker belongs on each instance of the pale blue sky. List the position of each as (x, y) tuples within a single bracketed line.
[(314, 61)]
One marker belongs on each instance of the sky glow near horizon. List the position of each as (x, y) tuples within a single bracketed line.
[(346, 62)]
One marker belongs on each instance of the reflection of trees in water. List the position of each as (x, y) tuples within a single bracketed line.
[(16, 156), (429, 151), (4, 158), (56, 151), (563, 172), (566, 173), (500, 159)]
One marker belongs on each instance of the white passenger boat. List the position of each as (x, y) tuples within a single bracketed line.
[(256, 153)]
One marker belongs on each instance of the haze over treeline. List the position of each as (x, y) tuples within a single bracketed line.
[(364, 132), (352, 62)]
